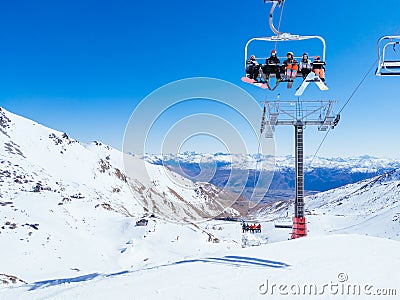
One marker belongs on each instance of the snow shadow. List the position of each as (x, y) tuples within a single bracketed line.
[(238, 261), (53, 282), (117, 274)]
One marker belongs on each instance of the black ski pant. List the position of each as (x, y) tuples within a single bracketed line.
[(305, 72), (253, 71), (271, 69)]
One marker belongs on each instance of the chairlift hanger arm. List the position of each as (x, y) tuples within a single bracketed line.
[(271, 15)]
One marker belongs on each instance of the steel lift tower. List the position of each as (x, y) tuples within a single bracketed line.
[(298, 114)]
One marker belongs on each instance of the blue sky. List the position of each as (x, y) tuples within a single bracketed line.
[(83, 66)]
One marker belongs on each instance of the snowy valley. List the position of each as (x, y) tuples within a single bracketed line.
[(225, 170)]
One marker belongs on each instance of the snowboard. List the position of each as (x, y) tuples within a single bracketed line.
[(253, 82)]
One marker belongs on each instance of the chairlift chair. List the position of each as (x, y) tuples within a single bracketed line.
[(282, 37), (388, 66)]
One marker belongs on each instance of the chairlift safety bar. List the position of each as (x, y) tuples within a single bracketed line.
[(284, 38)]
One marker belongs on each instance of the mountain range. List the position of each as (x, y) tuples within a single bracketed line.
[(226, 170)]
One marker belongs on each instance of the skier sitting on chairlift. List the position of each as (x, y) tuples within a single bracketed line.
[(290, 66), (272, 66), (252, 68), (318, 67), (305, 65)]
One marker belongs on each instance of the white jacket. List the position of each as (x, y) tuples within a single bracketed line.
[(305, 64)]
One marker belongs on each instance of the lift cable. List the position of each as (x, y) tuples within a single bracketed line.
[(347, 102), (358, 86), (255, 180)]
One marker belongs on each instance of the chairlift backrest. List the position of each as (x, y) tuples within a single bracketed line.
[(388, 66), (284, 38)]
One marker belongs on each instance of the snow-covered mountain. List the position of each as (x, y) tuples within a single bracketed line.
[(55, 191), (370, 207), (363, 163), (68, 230), (321, 174), (45, 160)]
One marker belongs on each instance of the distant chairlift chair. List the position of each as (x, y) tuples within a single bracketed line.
[(388, 66)]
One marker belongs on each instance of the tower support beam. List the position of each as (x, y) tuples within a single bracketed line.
[(299, 167), (299, 221)]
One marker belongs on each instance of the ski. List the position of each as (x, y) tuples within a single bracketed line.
[(276, 85), (310, 78), (322, 86), (266, 79)]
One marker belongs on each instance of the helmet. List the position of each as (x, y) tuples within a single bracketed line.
[(305, 54), (273, 51), (317, 57), (289, 53)]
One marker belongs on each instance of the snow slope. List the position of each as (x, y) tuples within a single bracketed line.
[(65, 206), (327, 267), (36, 154), (370, 207), (76, 237), (374, 206)]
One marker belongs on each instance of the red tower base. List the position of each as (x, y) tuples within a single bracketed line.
[(299, 227)]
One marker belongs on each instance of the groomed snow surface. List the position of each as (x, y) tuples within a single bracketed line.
[(85, 253), (172, 261)]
